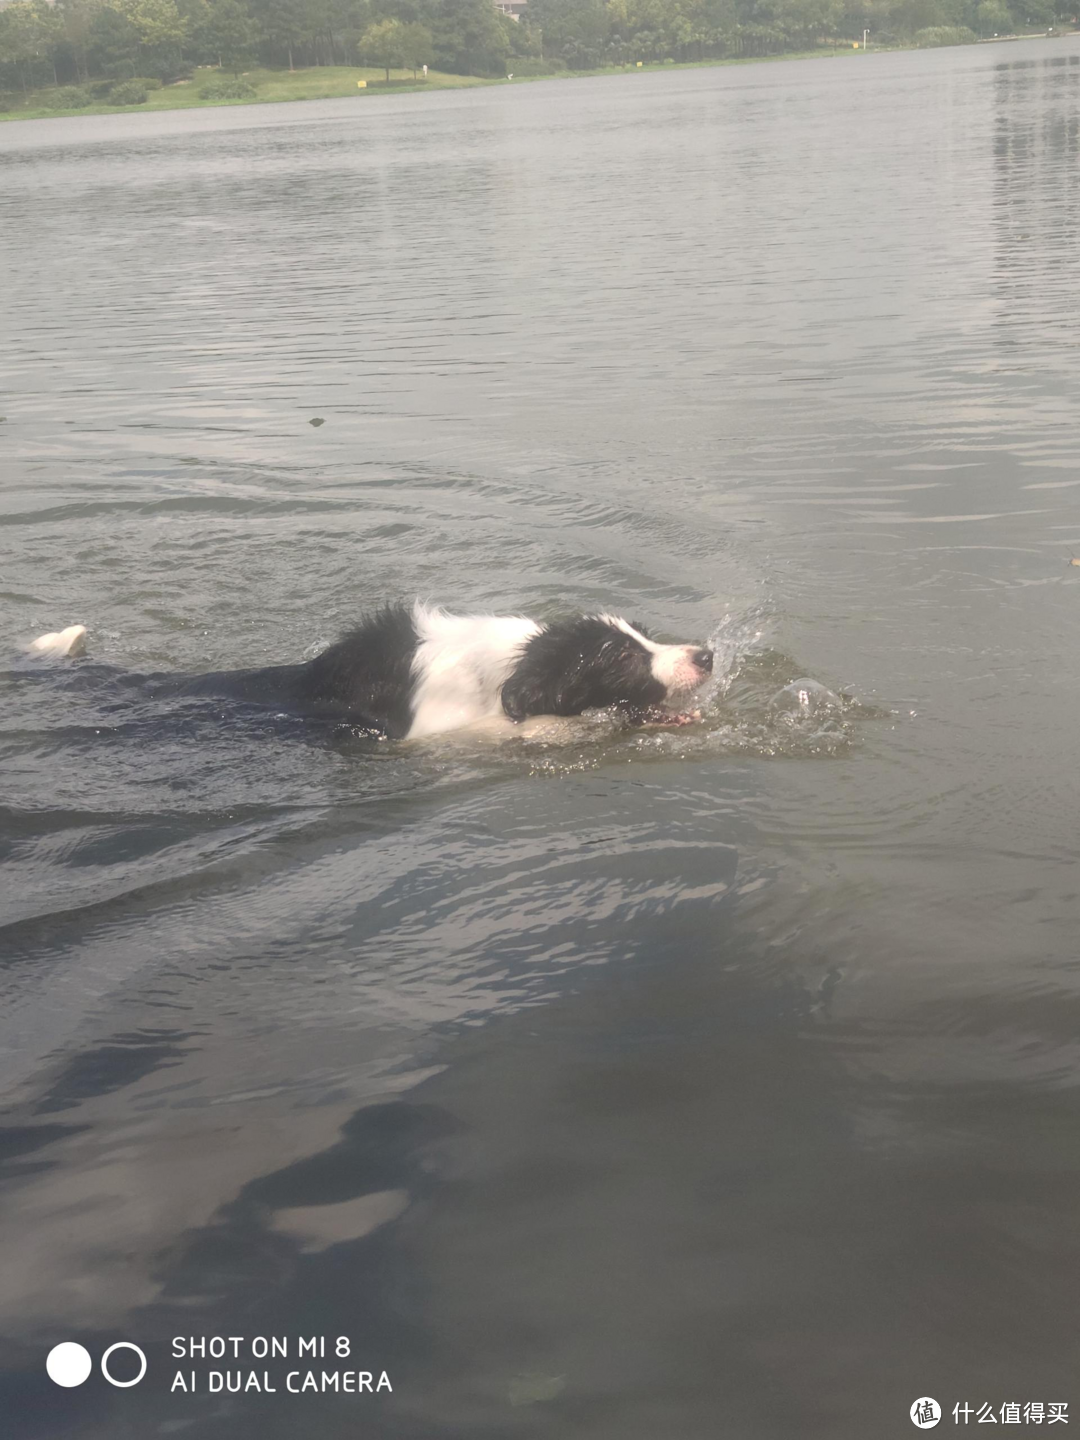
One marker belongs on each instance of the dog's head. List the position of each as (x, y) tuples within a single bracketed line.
[(598, 661)]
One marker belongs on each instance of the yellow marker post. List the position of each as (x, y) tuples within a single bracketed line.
[(639, 64), (361, 84)]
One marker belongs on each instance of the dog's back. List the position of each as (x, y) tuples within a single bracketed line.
[(365, 679)]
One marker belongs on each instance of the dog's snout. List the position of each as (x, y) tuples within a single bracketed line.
[(703, 660)]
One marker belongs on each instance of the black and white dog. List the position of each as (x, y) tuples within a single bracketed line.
[(411, 671)]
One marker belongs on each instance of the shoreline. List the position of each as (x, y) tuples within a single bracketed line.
[(340, 82)]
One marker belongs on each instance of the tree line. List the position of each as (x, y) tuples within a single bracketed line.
[(76, 42)]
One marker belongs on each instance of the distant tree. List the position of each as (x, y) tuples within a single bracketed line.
[(416, 47), (384, 44), (908, 16), (578, 30), (526, 39), (806, 21), (113, 43), (228, 35), (993, 18), (48, 32), (16, 44), (348, 19), (75, 17), (157, 23), (470, 37), (281, 24), (328, 22), (27, 32), (194, 16)]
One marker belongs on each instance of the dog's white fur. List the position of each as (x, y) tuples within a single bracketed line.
[(671, 663), (461, 665)]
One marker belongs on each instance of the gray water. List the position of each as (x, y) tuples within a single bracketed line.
[(714, 1082)]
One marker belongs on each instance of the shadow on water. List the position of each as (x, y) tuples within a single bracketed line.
[(528, 1244), (318, 1245), (110, 1067)]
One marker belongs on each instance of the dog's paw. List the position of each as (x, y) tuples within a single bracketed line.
[(681, 717), (658, 716)]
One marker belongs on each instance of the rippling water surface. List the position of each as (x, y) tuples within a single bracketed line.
[(718, 1081)]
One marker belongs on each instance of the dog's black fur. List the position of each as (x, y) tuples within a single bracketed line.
[(365, 678), (581, 664)]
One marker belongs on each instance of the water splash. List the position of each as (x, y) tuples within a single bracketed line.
[(758, 702), (806, 697), (734, 639)]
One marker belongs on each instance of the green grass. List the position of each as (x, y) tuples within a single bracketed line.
[(324, 82)]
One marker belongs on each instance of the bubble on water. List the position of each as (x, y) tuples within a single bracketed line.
[(805, 697)]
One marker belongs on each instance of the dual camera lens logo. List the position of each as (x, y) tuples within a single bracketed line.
[(70, 1364)]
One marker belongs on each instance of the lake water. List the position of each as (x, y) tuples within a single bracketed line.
[(718, 1082)]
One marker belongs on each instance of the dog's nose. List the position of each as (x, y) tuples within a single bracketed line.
[(703, 660)]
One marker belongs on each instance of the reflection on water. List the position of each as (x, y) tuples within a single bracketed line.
[(611, 1082)]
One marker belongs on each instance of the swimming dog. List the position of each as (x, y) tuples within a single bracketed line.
[(410, 671)]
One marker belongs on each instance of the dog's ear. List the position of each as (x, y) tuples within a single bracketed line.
[(569, 666), (530, 692), (548, 678)]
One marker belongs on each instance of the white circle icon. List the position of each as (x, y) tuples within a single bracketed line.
[(123, 1345), (68, 1364), (925, 1413)]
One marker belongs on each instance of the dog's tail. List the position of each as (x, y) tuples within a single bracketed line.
[(60, 643)]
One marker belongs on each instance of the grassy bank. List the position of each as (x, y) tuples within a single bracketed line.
[(334, 82), (324, 82)]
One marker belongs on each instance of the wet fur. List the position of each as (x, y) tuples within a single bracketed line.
[(412, 671), (580, 664)]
